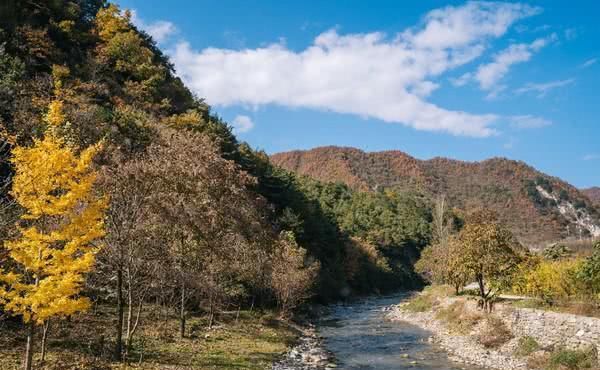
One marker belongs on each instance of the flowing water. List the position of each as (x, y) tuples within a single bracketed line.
[(360, 337)]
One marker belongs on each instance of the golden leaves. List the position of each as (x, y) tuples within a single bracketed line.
[(55, 116), (54, 250), (109, 22)]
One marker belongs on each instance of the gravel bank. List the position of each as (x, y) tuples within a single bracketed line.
[(308, 354), (461, 348)]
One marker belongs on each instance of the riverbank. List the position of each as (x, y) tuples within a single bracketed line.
[(309, 353), (356, 335), (510, 338)]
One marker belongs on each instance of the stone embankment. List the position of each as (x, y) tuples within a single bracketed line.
[(549, 329)]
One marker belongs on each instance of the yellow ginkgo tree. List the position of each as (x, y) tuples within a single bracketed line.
[(62, 217)]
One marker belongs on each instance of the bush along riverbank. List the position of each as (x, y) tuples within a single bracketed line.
[(508, 338)]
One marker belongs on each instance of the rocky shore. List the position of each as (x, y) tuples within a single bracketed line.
[(308, 354), (549, 329), (460, 348)]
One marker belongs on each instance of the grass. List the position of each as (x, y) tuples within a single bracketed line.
[(419, 303), (428, 298), (565, 359), (253, 342), (573, 359), (526, 346), (458, 318)]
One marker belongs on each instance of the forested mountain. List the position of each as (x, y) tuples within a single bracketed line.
[(537, 207), (593, 193), (96, 128), (107, 156)]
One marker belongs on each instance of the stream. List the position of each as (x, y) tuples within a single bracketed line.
[(360, 337)]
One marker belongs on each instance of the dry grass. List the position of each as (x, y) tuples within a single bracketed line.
[(564, 359), (494, 333), (428, 299), (253, 342), (458, 318)]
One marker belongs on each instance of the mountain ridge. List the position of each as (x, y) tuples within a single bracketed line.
[(509, 187), (593, 193)]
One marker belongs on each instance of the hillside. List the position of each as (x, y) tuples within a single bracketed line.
[(187, 219), (538, 208), (593, 193)]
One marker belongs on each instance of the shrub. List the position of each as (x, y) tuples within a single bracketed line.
[(557, 252), (458, 318), (527, 345), (589, 273), (573, 359), (495, 333), (550, 280)]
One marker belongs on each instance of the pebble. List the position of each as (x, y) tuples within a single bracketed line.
[(308, 354), (548, 328)]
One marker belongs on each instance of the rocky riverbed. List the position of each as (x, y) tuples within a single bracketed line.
[(359, 335), (461, 348), (309, 353), (550, 330)]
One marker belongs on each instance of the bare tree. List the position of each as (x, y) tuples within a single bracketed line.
[(214, 230), (441, 227), (292, 277), (122, 257)]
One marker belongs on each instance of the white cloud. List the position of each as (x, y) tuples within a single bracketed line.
[(591, 157), (159, 30), (488, 75), (369, 75), (462, 80), (543, 88), (589, 63), (242, 124), (528, 121)]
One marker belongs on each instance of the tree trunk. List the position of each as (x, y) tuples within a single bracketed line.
[(44, 340), (484, 295), (182, 311), (29, 347), (120, 313), (212, 312), (129, 320), (481, 287)]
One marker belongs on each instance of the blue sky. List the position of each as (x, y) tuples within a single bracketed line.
[(465, 80)]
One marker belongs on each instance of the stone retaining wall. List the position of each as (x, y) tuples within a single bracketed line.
[(549, 329), (553, 328)]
